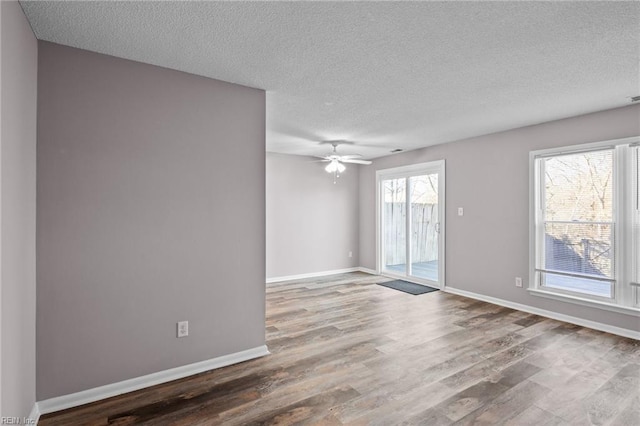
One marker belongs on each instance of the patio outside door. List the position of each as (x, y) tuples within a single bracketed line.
[(410, 219)]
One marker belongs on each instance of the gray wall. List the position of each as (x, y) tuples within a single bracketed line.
[(151, 206), (312, 224), (18, 211), (489, 177)]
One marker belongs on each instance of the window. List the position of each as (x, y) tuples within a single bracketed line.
[(585, 227), (635, 221)]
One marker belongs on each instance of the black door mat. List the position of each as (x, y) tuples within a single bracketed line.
[(408, 287)]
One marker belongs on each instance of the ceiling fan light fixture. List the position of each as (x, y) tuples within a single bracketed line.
[(335, 167)]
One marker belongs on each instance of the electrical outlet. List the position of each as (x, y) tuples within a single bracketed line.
[(350, 254), (518, 282), (183, 328), (460, 211)]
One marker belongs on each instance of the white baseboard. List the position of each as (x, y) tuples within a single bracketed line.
[(35, 414), (549, 314), (107, 391), (311, 275), (367, 270)]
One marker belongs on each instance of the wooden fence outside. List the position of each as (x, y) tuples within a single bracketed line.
[(424, 244)]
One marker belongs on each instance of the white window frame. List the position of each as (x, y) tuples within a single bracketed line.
[(634, 201), (625, 295)]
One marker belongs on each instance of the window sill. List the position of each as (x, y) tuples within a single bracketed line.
[(628, 310)]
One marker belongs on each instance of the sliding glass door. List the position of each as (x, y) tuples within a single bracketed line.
[(394, 218), (424, 226), (410, 223)]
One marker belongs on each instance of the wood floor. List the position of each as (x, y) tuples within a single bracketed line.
[(347, 351)]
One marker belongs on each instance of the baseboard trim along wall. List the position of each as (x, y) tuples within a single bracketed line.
[(34, 415), (114, 389), (312, 275), (549, 314)]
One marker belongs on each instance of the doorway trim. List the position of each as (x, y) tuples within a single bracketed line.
[(405, 172)]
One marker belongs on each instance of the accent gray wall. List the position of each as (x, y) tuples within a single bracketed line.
[(18, 211), (312, 224), (151, 206), (489, 176)]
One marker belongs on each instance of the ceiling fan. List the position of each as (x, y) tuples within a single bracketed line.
[(336, 162)]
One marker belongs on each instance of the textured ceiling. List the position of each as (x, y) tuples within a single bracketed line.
[(382, 74)]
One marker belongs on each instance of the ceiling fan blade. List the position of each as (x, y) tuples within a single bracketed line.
[(367, 162), (350, 156), (320, 159)]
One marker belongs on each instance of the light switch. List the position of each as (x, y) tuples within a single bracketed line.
[(460, 211)]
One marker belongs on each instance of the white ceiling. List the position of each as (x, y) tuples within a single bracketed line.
[(382, 74)]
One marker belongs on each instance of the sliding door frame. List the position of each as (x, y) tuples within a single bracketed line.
[(408, 172)]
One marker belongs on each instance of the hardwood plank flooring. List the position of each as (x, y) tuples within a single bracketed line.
[(347, 351)]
